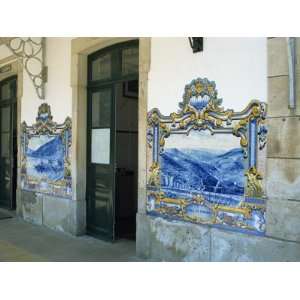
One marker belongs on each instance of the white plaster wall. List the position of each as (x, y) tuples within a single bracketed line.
[(58, 89), (4, 52), (237, 65)]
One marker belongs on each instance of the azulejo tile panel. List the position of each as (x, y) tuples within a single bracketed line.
[(203, 167), (46, 155)]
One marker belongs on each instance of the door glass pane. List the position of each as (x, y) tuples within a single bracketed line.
[(130, 61), (4, 142), (101, 146), (5, 118), (5, 92), (101, 67), (101, 108), (127, 107)]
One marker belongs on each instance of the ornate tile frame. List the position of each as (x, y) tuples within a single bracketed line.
[(247, 125), (45, 126)]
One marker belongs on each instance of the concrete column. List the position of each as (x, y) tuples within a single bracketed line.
[(283, 147)]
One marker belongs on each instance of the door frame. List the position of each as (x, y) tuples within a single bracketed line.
[(80, 49), (15, 69), (12, 104), (115, 52)]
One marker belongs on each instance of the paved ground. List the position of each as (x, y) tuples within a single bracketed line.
[(21, 241)]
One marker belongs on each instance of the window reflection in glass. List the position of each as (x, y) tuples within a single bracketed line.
[(5, 91), (101, 68), (130, 61), (101, 109), (5, 119)]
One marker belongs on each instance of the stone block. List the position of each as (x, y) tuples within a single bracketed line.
[(77, 223), (284, 137), (283, 219), (174, 241), (278, 95), (63, 214), (19, 208), (277, 57), (238, 247), (142, 236), (142, 198), (283, 178), (31, 207), (57, 213)]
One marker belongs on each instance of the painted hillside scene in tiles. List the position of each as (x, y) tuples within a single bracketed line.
[(45, 157), (207, 167), (204, 170), (204, 164)]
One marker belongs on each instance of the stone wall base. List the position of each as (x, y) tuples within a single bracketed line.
[(161, 240), (60, 214)]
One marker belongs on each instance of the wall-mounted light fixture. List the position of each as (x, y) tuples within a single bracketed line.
[(196, 44)]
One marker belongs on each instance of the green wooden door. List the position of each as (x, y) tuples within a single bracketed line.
[(106, 69), (8, 143), (101, 163)]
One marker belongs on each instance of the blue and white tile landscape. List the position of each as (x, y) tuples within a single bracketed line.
[(192, 163), (46, 155), (203, 167)]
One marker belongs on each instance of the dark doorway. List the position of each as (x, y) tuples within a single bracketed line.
[(8, 143), (112, 141), (126, 157)]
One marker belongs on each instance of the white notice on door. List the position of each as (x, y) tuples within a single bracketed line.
[(101, 146)]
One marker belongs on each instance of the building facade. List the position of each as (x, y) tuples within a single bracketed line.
[(193, 153)]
